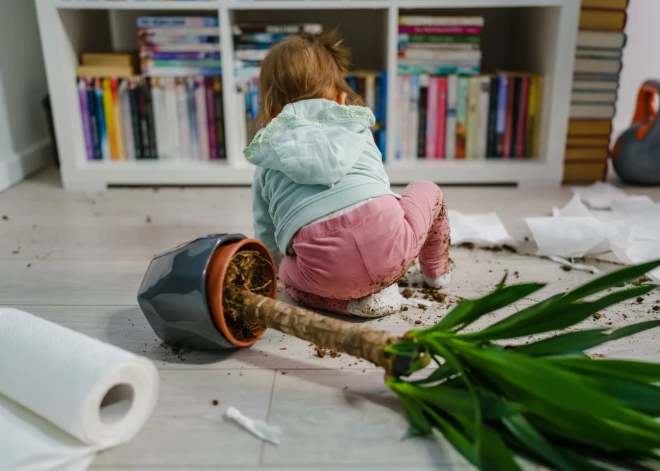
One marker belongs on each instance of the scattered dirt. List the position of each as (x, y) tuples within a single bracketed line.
[(642, 280), (625, 316), (5, 217), (334, 354), (176, 350), (404, 308), (415, 285), (422, 306), (418, 322), (656, 308), (403, 283), (598, 315), (15, 252), (215, 402), (283, 348), (566, 268), (526, 239), (597, 355), (467, 245), (29, 265), (321, 352), (434, 295), (248, 271), (516, 274), (407, 293), (640, 300), (148, 219), (283, 372)]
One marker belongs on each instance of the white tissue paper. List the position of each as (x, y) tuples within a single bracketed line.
[(65, 396), (480, 229), (258, 428), (600, 195)]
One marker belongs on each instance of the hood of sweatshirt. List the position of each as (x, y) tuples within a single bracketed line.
[(313, 142)]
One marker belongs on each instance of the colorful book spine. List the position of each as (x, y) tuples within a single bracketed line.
[(422, 116), (172, 115), (432, 69), (143, 113), (399, 98), (413, 128), (202, 120), (452, 101), (126, 120), (84, 114), (461, 116), (242, 133), (219, 117), (423, 20), (491, 139), (184, 124), (110, 122), (119, 125), (93, 119), (431, 130), (370, 91), (474, 84), (155, 40), (439, 29), (210, 119), (508, 130), (441, 119), (184, 56), (483, 114), (516, 113), (177, 21), (536, 136), (439, 39), (100, 113), (500, 127), (150, 120), (192, 119), (135, 118), (522, 118), (173, 32), (181, 71), (161, 130)]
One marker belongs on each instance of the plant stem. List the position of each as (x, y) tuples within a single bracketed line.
[(335, 334)]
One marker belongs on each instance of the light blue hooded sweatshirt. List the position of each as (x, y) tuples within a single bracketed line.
[(316, 157)]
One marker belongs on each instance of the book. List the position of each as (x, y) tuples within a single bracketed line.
[(605, 4), (183, 122), (401, 117), (483, 115), (241, 131), (439, 29), (188, 64), (589, 53), (594, 86), (170, 32), (210, 119), (516, 113), (440, 56), (161, 123), (597, 66), (219, 114), (589, 127), (447, 47), (431, 69), (93, 119), (584, 172), (205, 47), (177, 21), (143, 120), (521, 124), (461, 116), (192, 119), (511, 90), (593, 97), (126, 121), (119, 126), (591, 111), (202, 120), (109, 59), (536, 130), (604, 20), (156, 40), (423, 116), (100, 113), (588, 141), (185, 56), (500, 126), (533, 109), (417, 20), (431, 130), (151, 124), (110, 122), (84, 114), (450, 134), (601, 39), (587, 153), (135, 118), (118, 71), (413, 125), (181, 72), (493, 92), (309, 28), (172, 116), (472, 117), (441, 119), (260, 38), (596, 77), (370, 92), (439, 39)]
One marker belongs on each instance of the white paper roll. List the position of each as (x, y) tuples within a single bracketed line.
[(65, 396)]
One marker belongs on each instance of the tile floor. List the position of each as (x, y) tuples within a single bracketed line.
[(78, 258)]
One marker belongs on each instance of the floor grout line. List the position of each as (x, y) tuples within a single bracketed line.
[(262, 450)]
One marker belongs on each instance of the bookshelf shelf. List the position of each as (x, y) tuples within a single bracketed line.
[(538, 35)]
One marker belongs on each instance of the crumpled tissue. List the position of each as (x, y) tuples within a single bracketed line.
[(258, 428), (481, 229)]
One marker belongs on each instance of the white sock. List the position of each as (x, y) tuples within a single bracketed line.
[(384, 303), (437, 283)]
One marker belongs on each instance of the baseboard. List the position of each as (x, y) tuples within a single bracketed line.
[(16, 168)]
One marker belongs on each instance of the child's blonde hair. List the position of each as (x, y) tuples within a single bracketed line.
[(303, 67)]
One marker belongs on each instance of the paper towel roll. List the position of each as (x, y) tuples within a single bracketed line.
[(66, 395)]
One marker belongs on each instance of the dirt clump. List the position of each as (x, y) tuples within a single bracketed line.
[(598, 315), (321, 352), (423, 307), (407, 293)]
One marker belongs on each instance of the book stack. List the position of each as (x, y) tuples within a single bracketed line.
[(136, 118), (598, 57), (468, 118), (179, 46), (372, 87), (440, 45)]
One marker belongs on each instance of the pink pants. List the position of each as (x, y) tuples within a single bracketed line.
[(368, 249)]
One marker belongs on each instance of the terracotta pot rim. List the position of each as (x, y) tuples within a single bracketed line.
[(217, 270)]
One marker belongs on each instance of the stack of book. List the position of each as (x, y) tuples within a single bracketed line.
[(372, 87), (179, 46), (458, 117), (127, 117), (598, 56), (439, 45)]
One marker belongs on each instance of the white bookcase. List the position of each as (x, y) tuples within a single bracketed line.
[(533, 35)]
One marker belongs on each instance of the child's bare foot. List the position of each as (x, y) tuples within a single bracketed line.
[(437, 283), (384, 303)]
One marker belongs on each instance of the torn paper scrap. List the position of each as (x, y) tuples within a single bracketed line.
[(576, 266), (481, 229), (600, 195), (567, 236), (258, 428)]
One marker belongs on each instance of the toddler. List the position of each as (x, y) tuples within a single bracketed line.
[(322, 199)]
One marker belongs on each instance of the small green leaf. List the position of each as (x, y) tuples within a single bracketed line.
[(633, 370), (441, 373), (453, 435), (564, 344), (633, 329)]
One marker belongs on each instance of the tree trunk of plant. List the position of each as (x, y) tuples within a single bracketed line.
[(335, 334)]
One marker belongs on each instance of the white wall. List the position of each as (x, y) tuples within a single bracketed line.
[(24, 139), (640, 58)]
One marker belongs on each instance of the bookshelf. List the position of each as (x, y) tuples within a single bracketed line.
[(535, 35)]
